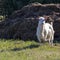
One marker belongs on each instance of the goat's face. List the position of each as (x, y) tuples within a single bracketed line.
[(41, 20)]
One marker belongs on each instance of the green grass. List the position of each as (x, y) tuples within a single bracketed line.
[(28, 50)]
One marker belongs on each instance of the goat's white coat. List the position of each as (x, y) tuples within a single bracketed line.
[(45, 31)]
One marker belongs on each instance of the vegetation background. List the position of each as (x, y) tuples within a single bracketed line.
[(8, 6)]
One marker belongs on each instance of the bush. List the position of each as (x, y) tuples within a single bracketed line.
[(2, 17)]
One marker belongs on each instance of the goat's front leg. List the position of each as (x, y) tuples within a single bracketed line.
[(51, 42), (38, 37)]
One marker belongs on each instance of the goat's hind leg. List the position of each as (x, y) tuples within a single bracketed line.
[(51, 41), (52, 38)]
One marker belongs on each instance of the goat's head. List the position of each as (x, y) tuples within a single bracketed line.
[(41, 20)]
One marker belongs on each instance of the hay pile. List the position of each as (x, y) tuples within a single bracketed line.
[(23, 23)]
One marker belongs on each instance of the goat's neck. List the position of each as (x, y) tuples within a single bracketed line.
[(43, 27)]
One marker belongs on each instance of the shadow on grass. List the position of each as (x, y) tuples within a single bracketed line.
[(24, 48)]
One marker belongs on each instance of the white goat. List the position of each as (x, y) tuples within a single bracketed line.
[(45, 31)]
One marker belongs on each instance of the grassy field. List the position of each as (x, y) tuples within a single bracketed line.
[(28, 50)]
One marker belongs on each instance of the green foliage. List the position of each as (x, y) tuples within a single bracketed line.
[(2, 18)]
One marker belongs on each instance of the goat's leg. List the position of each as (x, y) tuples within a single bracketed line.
[(52, 38), (52, 42), (49, 39), (38, 37), (45, 37)]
